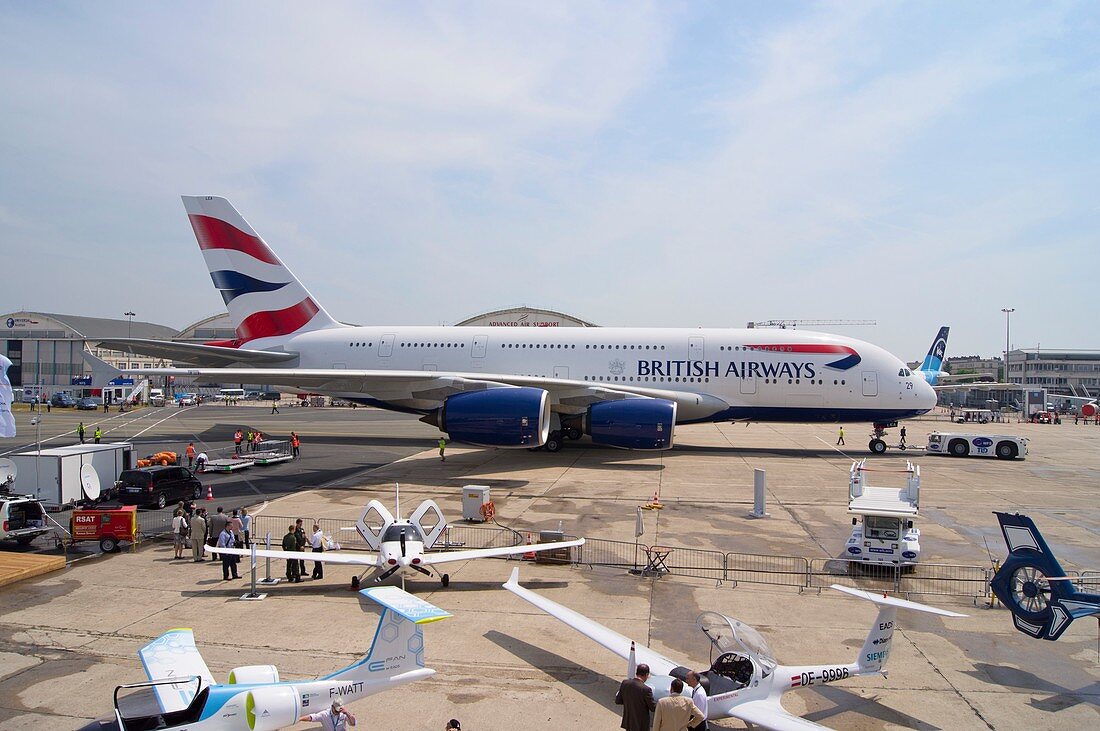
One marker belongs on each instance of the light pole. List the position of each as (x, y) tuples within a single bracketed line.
[(1008, 319), (129, 321), (36, 422)]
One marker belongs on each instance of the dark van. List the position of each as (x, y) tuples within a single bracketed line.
[(157, 486)]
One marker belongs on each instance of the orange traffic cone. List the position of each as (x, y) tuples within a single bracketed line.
[(529, 555), (209, 492)]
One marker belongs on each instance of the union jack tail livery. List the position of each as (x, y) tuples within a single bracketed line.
[(265, 300)]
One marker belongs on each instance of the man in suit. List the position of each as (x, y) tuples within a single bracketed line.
[(636, 698), (676, 712)]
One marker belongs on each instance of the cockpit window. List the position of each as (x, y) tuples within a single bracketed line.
[(394, 532), (905, 373)]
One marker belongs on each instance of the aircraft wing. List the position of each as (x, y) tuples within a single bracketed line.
[(769, 714), (173, 655), (426, 390), (612, 640), (447, 556), (350, 559), (200, 355)]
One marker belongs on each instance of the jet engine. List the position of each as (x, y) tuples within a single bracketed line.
[(1089, 410), (272, 707), (496, 417), (640, 423), (253, 675)]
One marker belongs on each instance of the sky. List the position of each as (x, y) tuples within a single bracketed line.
[(686, 164)]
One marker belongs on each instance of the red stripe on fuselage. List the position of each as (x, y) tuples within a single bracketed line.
[(214, 233), (276, 322)]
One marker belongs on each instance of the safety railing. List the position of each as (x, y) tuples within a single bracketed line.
[(947, 580), (1086, 581), (754, 568), (823, 572)]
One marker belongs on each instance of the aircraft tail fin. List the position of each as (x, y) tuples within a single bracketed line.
[(876, 648), (398, 645), (1032, 584), (933, 361), (266, 302), (7, 421)]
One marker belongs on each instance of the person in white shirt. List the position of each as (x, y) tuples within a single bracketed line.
[(698, 697), (246, 527), (317, 542), (333, 718), (179, 532)]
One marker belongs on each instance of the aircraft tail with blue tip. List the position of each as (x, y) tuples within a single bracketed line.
[(930, 368)]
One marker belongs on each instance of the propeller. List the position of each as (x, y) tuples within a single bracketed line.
[(1030, 590), (386, 574)]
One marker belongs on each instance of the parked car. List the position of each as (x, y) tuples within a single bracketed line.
[(157, 486), (89, 403), (22, 519), (270, 396), (188, 399), (62, 400)]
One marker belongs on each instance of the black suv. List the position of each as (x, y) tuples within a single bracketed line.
[(157, 486)]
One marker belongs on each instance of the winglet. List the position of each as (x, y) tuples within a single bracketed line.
[(513, 580), (401, 602)]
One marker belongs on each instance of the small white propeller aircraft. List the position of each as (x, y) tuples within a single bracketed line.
[(255, 699), (745, 681), (401, 545)]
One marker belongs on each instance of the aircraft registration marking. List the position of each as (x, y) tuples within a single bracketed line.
[(827, 675)]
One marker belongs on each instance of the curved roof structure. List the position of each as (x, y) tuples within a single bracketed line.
[(524, 316), (49, 326)]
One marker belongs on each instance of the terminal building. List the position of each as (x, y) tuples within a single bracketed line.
[(1065, 372)]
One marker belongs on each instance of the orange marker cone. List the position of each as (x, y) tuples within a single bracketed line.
[(209, 492), (529, 555)]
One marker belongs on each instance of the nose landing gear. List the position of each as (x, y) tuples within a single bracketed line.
[(877, 445)]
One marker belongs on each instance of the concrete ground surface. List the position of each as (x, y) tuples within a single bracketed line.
[(67, 639)]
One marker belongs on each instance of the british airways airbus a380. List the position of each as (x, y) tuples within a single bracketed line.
[(528, 387)]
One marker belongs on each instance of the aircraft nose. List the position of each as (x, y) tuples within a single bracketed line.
[(926, 395)]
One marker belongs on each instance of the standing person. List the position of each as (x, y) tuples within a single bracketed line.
[(317, 542), (840, 440), (275, 406), (902, 438), (198, 536), (229, 561), (442, 449), (290, 543), (179, 532), (80, 431), (699, 698), (636, 698), (676, 712), (248, 439), (218, 523), (300, 542), (295, 445), (333, 718), (190, 451), (246, 527), (97, 435), (237, 437), (236, 527)]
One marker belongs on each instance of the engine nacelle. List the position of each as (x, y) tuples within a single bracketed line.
[(272, 707), (498, 417), (1090, 410), (253, 675), (632, 423)]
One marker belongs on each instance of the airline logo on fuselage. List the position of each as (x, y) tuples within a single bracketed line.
[(755, 368)]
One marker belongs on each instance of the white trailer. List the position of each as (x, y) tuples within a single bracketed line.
[(52, 476), (882, 521), (1002, 446)]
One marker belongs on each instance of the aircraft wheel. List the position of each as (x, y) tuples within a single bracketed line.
[(573, 433), (446, 579), (553, 442), (877, 446)]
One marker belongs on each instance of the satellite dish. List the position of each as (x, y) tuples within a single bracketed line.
[(89, 480), (8, 471)]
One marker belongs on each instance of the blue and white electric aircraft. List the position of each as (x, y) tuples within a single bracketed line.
[(528, 387), (185, 696)]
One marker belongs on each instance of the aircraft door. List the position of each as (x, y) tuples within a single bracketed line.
[(870, 383), (748, 385), (428, 518), (372, 522), (481, 342), (385, 345), (561, 371), (696, 348)]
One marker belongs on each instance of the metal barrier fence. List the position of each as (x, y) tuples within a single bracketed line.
[(796, 571)]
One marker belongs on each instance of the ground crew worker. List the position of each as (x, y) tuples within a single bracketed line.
[(275, 407), (442, 449), (290, 543), (295, 444), (840, 440), (190, 454), (80, 431), (97, 434), (248, 439), (903, 436), (237, 437)]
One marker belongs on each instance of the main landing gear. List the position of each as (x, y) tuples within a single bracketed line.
[(877, 445), (556, 440)]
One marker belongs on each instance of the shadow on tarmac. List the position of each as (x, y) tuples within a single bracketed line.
[(1060, 696), (846, 700), (594, 686)]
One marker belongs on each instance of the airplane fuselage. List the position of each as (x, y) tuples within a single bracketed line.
[(753, 374)]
